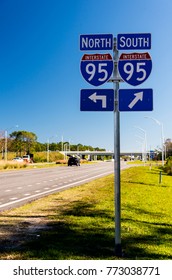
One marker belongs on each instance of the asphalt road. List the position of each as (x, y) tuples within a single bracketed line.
[(21, 186)]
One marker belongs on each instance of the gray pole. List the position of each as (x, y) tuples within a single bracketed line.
[(118, 248), (6, 146)]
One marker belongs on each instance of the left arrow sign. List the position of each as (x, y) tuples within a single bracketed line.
[(94, 97), (97, 100)]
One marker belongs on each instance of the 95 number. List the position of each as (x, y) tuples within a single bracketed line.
[(129, 70), (96, 72), (91, 70), (135, 72)]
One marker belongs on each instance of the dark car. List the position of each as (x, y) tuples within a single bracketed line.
[(73, 161)]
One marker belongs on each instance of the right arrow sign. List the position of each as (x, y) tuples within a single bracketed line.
[(138, 96), (135, 100)]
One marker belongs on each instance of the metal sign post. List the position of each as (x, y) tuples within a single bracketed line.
[(118, 248)]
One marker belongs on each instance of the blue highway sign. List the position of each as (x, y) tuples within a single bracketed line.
[(96, 42), (134, 68), (97, 100), (135, 100), (134, 41), (96, 69)]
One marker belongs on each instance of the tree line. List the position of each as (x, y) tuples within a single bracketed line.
[(167, 150), (25, 142)]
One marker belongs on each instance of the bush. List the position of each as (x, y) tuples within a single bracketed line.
[(38, 156), (11, 165), (42, 156), (168, 166)]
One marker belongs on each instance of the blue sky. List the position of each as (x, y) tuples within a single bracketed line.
[(40, 79)]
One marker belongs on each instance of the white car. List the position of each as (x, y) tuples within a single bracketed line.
[(18, 159)]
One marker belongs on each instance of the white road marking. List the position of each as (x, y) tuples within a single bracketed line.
[(55, 189), (13, 198), (7, 190)]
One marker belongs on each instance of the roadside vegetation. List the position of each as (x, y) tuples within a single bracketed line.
[(20, 143), (79, 223), (11, 165), (40, 157), (168, 166)]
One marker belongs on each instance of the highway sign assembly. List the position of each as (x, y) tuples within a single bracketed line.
[(134, 68), (135, 100), (96, 69), (134, 41), (97, 100), (96, 42)]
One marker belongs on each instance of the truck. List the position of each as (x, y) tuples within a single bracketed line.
[(28, 158)]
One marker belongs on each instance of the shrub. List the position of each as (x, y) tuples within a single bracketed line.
[(168, 166), (42, 156), (11, 165)]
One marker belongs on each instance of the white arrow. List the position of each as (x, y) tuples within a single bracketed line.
[(138, 96), (95, 97)]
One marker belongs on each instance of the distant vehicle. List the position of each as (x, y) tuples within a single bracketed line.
[(73, 161), (27, 158), (18, 159)]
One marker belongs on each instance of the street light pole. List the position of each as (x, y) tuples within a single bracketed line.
[(65, 150), (162, 136), (48, 151), (6, 141), (6, 144), (62, 143), (48, 147), (143, 146), (145, 141)]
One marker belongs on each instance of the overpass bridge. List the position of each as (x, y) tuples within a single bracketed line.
[(91, 154)]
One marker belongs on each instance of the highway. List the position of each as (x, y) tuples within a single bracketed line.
[(21, 186)]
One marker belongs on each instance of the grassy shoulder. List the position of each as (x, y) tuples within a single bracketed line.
[(79, 223), (11, 165)]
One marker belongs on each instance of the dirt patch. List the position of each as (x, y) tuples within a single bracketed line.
[(14, 236)]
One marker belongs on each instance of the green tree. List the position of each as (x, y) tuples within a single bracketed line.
[(40, 147), (23, 141), (168, 147)]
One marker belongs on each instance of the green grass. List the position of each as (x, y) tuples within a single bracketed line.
[(79, 223)]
